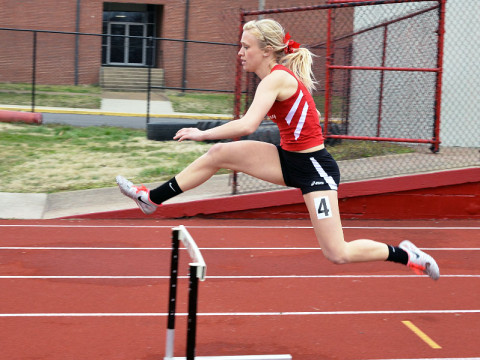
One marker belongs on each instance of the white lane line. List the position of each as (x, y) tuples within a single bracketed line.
[(437, 359), (201, 248), (276, 313), (476, 358), (220, 277), (238, 227)]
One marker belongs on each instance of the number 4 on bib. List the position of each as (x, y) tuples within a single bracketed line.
[(322, 204)]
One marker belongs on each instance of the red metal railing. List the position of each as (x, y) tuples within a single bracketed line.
[(435, 140), (354, 125)]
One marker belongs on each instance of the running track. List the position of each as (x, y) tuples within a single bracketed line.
[(98, 289)]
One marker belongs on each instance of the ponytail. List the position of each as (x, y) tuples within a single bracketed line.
[(300, 61)]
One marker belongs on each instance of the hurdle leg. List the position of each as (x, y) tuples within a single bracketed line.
[(170, 341), (192, 313)]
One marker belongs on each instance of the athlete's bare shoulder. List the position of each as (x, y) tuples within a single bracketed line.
[(285, 83)]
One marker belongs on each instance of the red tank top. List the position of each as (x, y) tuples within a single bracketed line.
[(296, 118)]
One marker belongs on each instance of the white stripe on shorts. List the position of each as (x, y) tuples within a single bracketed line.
[(323, 174)]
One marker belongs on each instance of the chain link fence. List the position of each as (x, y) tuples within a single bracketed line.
[(375, 103), (380, 78), (32, 61)]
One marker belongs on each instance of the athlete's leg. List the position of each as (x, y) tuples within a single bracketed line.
[(325, 216), (324, 213), (255, 158)]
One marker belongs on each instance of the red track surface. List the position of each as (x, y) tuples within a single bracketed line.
[(99, 290)]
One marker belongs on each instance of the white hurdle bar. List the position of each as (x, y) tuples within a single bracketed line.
[(198, 270)]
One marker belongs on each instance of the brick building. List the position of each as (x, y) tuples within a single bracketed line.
[(86, 59)]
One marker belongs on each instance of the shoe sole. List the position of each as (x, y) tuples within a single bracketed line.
[(124, 183), (431, 267)]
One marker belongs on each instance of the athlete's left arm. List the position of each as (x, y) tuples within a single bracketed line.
[(265, 95)]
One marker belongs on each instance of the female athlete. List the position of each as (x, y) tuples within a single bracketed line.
[(301, 160)]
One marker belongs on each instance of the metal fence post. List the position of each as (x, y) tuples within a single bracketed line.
[(34, 69), (184, 64)]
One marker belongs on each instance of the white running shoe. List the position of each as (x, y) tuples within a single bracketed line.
[(419, 261), (140, 194)]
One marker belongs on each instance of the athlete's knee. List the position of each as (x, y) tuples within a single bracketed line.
[(219, 154), (336, 256), (215, 152)]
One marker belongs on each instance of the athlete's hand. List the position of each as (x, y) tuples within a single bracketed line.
[(189, 134)]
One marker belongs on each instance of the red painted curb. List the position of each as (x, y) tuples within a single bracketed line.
[(379, 199), (20, 116)]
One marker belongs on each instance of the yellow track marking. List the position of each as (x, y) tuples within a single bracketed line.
[(421, 335)]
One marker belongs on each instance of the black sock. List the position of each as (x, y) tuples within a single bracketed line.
[(397, 255), (165, 191)]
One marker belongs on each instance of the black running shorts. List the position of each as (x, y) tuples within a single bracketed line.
[(309, 172)]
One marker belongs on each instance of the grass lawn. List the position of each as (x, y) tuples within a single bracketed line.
[(52, 158), (82, 96)]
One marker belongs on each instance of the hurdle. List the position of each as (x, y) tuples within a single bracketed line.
[(197, 271)]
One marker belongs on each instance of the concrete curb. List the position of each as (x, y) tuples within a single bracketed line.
[(289, 203), (78, 203), (444, 194), (22, 206)]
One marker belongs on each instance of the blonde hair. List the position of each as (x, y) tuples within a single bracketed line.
[(270, 33)]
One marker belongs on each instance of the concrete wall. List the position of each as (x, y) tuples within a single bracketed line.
[(444, 195), (461, 77)]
